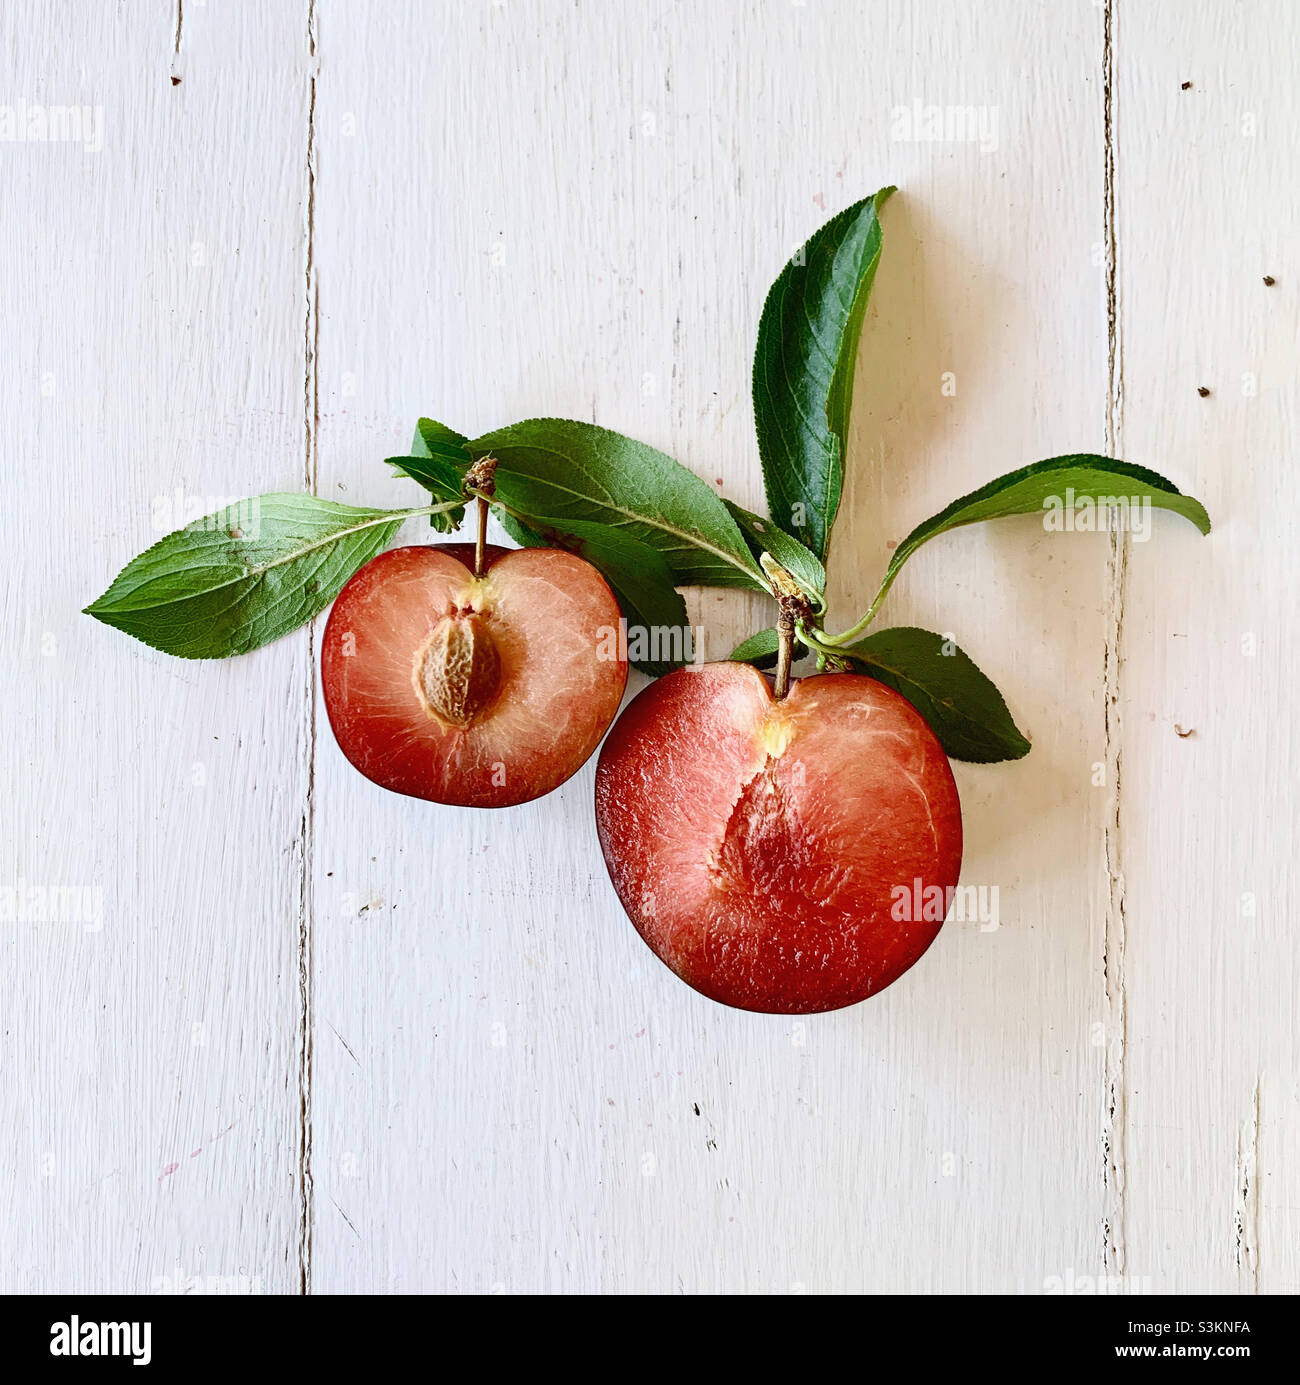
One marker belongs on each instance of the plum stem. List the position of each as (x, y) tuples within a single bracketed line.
[(785, 623), (480, 538), (481, 479), (792, 609)]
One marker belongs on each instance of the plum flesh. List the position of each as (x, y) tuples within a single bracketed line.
[(762, 848), (482, 691)]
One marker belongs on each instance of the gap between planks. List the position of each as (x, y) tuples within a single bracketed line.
[(306, 895), (1115, 982)]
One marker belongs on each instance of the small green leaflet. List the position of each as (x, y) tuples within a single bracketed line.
[(759, 650), (765, 536), (961, 705), (567, 471), (440, 480), (240, 578), (1032, 489), (434, 439), (638, 576), (438, 461), (804, 366)]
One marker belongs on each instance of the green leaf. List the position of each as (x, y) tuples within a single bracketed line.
[(1032, 490), (803, 369), (766, 536), (434, 439), (441, 480), (564, 471), (433, 474), (522, 534), (438, 462), (638, 576), (759, 650), (244, 576), (962, 706)]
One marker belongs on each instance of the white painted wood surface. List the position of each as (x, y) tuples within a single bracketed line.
[(1207, 822), (334, 1039)]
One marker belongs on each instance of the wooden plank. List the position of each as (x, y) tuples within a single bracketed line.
[(577, 212), (1207, 208), (154, 302)]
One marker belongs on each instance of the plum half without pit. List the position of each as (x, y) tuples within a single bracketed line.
[(769, 850), (484, 691)]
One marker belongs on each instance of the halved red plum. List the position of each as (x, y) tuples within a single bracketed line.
[(773, 853), (482, 691)]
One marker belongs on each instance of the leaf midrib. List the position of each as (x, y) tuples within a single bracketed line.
[(632, 516), (258, 571), (952, 706)]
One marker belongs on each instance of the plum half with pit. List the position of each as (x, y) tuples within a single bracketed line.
[(770, 852), (484, 691)]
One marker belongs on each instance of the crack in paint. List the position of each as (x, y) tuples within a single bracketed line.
[(176, 44), (1246, 1196)]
